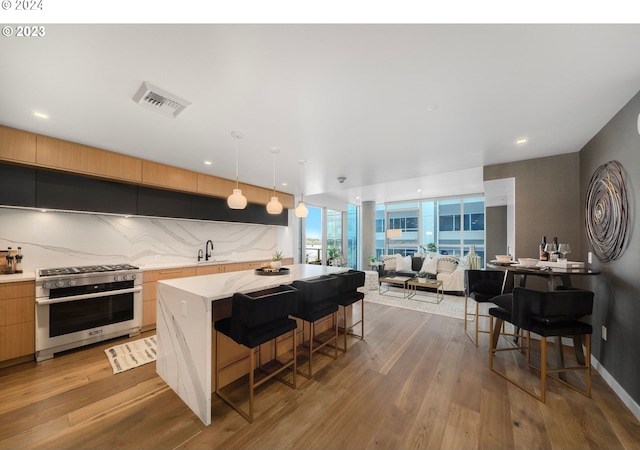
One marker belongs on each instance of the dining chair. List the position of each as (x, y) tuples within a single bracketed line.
[(547, 314), (480, 286), (255, 319)]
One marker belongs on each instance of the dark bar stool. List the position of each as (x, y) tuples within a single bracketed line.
[(257, 318), (480, 286), (318, 298), (349, 294), (553, 313)]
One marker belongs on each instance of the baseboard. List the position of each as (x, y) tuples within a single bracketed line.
[(619, 391)]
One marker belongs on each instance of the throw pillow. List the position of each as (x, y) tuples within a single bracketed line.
[(447, 263), (430, 265), (389, 261), (403, 263)]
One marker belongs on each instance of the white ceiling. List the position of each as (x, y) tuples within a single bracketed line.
[(392, 108)]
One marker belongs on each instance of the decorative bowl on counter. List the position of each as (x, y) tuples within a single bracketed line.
[(504, 258), (528, 262), (270, 271)]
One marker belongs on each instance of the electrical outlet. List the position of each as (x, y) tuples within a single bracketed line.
[(604, 333), (184, 308)]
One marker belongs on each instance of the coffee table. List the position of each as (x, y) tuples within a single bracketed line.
[(413, 285), (394, 281)]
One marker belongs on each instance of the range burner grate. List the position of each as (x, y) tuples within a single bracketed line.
[(85, 269)]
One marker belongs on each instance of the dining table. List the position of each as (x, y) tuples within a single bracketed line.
[(556, 277)]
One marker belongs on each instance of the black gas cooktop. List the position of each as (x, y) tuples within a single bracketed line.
[(84, 269)]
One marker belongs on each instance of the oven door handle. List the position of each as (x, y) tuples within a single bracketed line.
[(71, 298)]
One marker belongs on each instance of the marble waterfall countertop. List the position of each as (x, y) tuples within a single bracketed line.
[(224, 285), (184, 321)]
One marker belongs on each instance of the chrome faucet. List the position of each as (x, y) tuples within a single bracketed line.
[(200, 255), (206, 250)]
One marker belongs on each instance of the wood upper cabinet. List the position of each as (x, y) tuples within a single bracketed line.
[(17, 145), (71, 157), (215, 186), (156, 174), (17, 319)]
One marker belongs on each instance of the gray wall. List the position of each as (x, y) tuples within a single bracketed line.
[(617, 301), (547, 203)]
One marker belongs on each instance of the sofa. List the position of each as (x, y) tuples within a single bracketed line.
[(447, 268)]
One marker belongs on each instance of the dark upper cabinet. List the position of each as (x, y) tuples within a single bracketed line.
[(18, 186), (210, 208), (161, 203), (57, 190)]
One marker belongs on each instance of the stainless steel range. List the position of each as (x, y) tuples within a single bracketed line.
[(77, 306)]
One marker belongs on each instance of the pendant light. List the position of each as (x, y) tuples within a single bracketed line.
[(274, 206), (237, 200), (301, 210)]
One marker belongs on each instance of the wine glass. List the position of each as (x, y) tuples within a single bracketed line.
[(551, 250), (563, 249)]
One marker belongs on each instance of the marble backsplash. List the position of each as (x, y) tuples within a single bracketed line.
[(59, 239)]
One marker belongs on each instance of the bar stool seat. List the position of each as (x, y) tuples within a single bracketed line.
[(349, 294), (480, 286), (257, 318), (318, 298), (547, 314)]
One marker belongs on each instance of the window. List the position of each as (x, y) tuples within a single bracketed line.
[(353, 224), (313, 248), (449, 223), (334, 232), (453, 225)]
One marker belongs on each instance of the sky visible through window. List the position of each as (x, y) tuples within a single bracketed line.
[(314, 223)]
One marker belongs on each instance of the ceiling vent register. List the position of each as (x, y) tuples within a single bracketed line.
[(155, 99)]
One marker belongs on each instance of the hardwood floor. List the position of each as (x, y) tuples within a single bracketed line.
[(416, 381)]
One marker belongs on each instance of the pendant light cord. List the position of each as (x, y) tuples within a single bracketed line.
[(237, 165), (274, 174)]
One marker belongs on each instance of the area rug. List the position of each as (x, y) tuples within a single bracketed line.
[(132, 354), (450, 306)]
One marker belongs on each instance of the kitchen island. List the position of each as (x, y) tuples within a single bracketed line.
[(187, 310)]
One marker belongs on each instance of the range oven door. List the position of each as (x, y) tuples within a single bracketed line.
[(68, 322)]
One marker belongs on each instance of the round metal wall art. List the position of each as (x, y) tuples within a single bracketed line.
[(607, 212)]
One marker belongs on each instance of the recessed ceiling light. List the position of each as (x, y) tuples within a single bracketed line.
[(208, 163), (521, 141), (419, 190), (284, 183), (40, 115)]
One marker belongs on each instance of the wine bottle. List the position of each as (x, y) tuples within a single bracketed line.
[(544, 256)]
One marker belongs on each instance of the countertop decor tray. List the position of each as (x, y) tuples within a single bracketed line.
[(268, 271)]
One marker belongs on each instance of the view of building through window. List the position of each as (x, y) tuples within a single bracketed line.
[(451, 225), (447, 227)]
